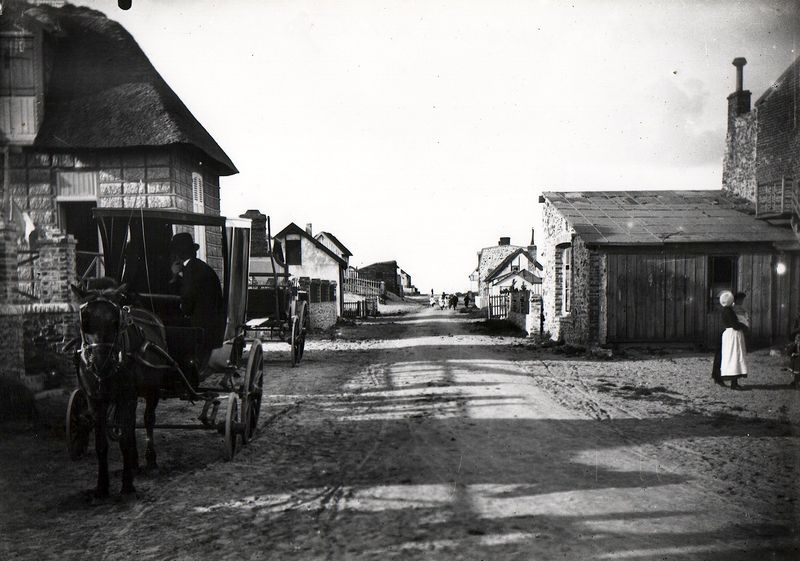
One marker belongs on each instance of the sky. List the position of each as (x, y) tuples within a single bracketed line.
[(422, 131)]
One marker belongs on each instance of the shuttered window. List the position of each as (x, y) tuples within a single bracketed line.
[(16, 66), (198, 205), (76, 185), (566, 280)]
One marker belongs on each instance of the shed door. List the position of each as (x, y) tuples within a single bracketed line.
[(656, 298)]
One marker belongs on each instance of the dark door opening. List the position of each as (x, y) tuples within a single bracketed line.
[(77, 220)]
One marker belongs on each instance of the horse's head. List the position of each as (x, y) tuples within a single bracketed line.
[(103, 315)]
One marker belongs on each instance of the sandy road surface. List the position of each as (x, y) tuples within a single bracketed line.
[(413, 437)]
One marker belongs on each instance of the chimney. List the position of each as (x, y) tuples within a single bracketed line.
[(258, 233), (532, 246), (504, 241), (738, 101), (308, 230)]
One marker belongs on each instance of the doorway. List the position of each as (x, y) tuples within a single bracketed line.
[(77, 220)]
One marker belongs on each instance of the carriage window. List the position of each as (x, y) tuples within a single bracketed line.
[(721, 276), (294, 252)]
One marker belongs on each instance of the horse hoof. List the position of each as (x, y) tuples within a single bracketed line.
[(128, 492)]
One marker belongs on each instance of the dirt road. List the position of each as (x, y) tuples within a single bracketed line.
[(418, 437)]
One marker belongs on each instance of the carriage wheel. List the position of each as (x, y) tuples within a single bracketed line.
[(79, 424), (232, 426), (252, 390), (304, 323), (295, 341)]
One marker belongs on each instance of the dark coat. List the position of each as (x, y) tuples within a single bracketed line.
[(201, 301)]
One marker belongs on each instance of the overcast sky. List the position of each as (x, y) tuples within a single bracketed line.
[(422, 131)]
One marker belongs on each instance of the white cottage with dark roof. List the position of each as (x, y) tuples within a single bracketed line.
[(648, 266)]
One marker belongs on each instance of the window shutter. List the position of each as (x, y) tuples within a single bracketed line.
[(198, 205)]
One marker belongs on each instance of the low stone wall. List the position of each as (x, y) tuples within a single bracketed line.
[(46, 328), (524, 311), (322, 314)]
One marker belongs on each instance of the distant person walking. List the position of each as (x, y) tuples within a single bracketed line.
[(729, 362), (467, 299), (442, 301), (453, 301)]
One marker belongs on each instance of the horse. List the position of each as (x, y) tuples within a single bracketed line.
[(113, 373)]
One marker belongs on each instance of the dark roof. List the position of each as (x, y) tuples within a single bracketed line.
[(379, 264), (103, 92), (524, 273), (661, 217), (508, 259), (787, 81), (335, 240), (293, 228)]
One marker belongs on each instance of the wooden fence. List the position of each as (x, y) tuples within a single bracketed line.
[(353, 284), (360, 309), (498, 307)]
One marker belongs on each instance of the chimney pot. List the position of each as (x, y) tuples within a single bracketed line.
[(739, 63), (505, 240), (308, 229)]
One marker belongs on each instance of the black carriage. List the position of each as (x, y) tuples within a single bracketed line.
[(136, 254), (277, 307)]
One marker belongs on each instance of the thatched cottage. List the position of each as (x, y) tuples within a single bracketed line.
[(86, 120)]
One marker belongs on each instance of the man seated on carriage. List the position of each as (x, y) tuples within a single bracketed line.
[(201, 304)]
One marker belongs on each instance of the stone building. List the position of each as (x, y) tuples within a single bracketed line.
[(500, 255), (762, 147), (318, 269), (648, 266), (387, 272)]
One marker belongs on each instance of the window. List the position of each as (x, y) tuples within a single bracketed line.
[(16, 67), (294, 252), (199, 206), (721, 277), (566, 280)]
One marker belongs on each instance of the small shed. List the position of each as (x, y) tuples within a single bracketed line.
[(648, 267)]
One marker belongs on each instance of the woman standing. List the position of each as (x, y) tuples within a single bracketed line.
[(732, 365)]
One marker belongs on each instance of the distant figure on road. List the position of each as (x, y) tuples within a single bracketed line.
[(453, 301), (467, 299), (442, 301), (433, 299)]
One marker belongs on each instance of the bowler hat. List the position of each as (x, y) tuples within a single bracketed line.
[(183, 244)]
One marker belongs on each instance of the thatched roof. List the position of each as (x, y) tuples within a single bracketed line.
[(101, 91)]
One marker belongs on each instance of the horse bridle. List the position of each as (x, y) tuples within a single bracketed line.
[(120, 343)]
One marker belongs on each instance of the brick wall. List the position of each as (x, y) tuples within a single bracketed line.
[(777, 141), (11, 349)]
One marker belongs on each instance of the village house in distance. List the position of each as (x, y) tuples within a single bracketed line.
[(648, 266)]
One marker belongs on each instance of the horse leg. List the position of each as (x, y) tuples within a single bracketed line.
[(101, 448), (151, 402), (127, 444)]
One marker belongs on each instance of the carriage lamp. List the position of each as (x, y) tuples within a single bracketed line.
[(780, 268)]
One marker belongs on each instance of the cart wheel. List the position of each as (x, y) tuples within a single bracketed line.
[(79, 424), (304, 323), (295, 342), (232, 426), (252, 390)]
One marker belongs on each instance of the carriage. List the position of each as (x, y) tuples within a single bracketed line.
[(277, 307), (227, 381)]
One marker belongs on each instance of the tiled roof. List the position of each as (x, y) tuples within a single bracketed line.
[(524, 273), (661, 217), (508, 259)]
